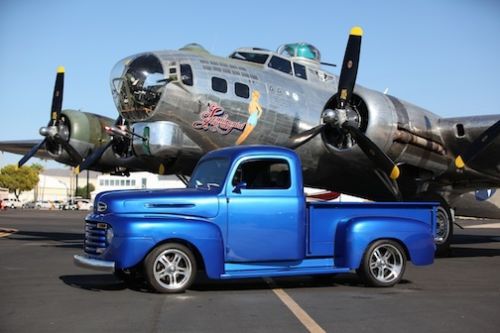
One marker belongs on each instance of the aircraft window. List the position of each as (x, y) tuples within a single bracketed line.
[(187, 75), (241, 90), (219, 84), (300, 71), (263, 174), (281, 64), (257, 58)]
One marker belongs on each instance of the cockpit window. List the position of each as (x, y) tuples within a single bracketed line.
[(281, 64), (186, 75), (257, 58), (300, 71)]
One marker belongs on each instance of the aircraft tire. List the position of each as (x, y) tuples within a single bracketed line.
[(444, 224)]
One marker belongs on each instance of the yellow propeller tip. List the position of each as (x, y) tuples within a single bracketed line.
[(357, 31), (395, 173), (459, 162), (77, 170), (161, 169), (60, 69)]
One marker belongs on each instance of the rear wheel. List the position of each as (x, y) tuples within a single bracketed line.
[(383, 264), (170, 268)]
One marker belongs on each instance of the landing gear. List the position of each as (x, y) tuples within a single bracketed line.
[(444, 230), (444, 224)]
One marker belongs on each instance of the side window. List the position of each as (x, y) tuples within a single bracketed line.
[(219, 84), (300, 71), (263, 174), (241, 90), (187, 75), (281, 64)]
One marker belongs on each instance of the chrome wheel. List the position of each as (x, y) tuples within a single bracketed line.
[(170, 268), (386, 263), (383, 264)]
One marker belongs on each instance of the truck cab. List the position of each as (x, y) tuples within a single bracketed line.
[(244, 214)]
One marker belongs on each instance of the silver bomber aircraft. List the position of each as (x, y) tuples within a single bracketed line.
[(174, 106)]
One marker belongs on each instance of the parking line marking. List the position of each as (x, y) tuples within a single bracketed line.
[(300, 313)]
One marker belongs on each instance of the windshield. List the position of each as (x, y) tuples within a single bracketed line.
[(258, 58), (210, 174)]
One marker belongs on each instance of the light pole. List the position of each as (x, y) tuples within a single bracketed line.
[(66, 187)]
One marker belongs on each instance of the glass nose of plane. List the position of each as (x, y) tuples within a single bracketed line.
[(137, 85)]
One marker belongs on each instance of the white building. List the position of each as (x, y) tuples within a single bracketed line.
[(58, 184), (136, 180)]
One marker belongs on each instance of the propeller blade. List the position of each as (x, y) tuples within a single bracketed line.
[(96, 155), (390, 184), (304, 137), (57, 97), (72, 152), (478, 145), (373, 152), (349, 69), (30, 154)]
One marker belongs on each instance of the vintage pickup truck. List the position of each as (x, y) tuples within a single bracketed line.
[(244, 215)]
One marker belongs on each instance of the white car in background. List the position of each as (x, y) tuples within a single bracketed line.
[(44, 204), (12, 203), (78, 204), (84, 204)]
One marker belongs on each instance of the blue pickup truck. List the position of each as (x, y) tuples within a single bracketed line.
[(244, 215)]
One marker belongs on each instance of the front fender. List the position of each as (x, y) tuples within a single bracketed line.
[(135, 236), (353, 237)]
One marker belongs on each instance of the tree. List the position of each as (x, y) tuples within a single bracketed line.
[(82, 191), (21, 179)]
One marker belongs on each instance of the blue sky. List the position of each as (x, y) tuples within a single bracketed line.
[(439, 54)]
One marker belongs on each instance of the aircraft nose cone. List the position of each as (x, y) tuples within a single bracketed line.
[(137, 85)]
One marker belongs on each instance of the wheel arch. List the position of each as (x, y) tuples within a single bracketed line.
[(354, 237)]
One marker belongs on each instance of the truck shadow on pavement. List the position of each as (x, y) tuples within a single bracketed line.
[(60, 239), (108, 282), (100, 282)]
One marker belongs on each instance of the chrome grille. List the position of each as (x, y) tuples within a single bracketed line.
[(95, 237)]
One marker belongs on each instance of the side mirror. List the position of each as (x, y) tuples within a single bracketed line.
[(239, 187)]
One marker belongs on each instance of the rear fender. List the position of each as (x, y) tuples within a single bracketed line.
[(353, 236)]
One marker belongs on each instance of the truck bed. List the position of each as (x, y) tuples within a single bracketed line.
[(324, 219)]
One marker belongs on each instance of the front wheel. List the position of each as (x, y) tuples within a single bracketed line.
[(170, 268), (383, 264)]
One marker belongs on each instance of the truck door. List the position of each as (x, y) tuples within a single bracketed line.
[(265, 215)]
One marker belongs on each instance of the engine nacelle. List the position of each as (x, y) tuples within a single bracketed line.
[(84, 132), (405, 132)]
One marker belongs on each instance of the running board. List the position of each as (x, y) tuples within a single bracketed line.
[(275, 269)]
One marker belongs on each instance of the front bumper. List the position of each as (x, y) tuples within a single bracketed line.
[(95, 264)]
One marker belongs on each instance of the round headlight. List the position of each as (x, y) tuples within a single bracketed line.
[(109, 235)]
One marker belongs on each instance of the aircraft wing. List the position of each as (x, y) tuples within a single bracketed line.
[(21, 147)]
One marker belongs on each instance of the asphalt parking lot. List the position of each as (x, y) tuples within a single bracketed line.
[(42, 291)]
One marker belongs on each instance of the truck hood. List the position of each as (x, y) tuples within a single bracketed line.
[(182, 202)]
